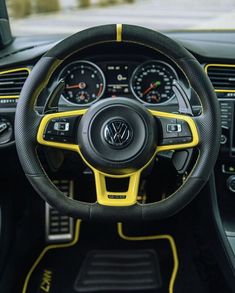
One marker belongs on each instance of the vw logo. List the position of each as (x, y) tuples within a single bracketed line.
[(118, 133)]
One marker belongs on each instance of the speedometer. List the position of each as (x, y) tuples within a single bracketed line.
[(84, 82), (152, 81)]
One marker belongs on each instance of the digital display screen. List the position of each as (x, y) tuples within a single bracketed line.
[(117, 79)]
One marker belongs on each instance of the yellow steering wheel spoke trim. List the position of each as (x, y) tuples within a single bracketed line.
[(43, 125), (192, 125), (110, 198), (104, 196), (118, 199)]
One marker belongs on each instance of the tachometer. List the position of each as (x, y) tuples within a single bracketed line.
[(152, 81), (84, 82)]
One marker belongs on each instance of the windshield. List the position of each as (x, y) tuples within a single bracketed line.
[(40, 17)]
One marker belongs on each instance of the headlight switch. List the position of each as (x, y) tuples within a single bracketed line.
[(6, 130)]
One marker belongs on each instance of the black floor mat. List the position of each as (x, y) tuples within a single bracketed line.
[(119, 270), (57, 268)]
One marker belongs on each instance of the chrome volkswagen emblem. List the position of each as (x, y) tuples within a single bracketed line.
[(118, 133)]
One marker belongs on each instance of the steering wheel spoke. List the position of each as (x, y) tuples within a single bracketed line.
[(107, 197), (177, 131), (58, 130)]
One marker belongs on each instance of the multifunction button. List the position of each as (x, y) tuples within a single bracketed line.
[(175, 131), (173, 128), (60, 129), (61, 126)]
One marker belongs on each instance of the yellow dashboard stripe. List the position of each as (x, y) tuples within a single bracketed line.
[(10, 71), (15, 70), (220, 65), (156, 237), (9, 97), (46, 249), (119, 32)]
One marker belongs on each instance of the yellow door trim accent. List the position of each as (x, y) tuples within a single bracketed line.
[(119, 32), (46, 249), (10, 71), (156, 237), (220, 65)]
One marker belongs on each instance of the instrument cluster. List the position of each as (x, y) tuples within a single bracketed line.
[(149, 82)]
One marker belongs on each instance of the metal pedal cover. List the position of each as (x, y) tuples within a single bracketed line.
[(59, 227)]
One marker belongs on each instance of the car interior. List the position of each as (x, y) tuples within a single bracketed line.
[(117, 151)]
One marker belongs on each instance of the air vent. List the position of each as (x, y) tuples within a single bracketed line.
[(12, 81), (222, 76)]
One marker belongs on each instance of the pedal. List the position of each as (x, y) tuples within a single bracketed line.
[(59, 227)]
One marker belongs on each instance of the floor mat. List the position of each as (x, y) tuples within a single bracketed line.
[(119, 270), (185, 276), (56, 269)]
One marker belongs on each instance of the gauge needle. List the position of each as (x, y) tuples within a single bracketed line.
[(80, 85), (73, 86), (153, 85)]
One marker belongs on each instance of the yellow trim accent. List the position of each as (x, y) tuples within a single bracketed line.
[(46, 249), (119, 32), (43, 125), (130, 195), (192, 125), (220, 65), (101, 191), (156, 237), (74, 147), (13, 70), (105, 197), (9, 97)]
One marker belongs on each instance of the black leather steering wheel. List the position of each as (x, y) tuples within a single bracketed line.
[(118, 138)]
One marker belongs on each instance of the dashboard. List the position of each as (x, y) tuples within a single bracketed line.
[(133, 72)]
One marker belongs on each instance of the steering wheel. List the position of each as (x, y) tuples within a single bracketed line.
[(117, 138)]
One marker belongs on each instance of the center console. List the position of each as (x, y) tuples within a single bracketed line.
[(225, 167)]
